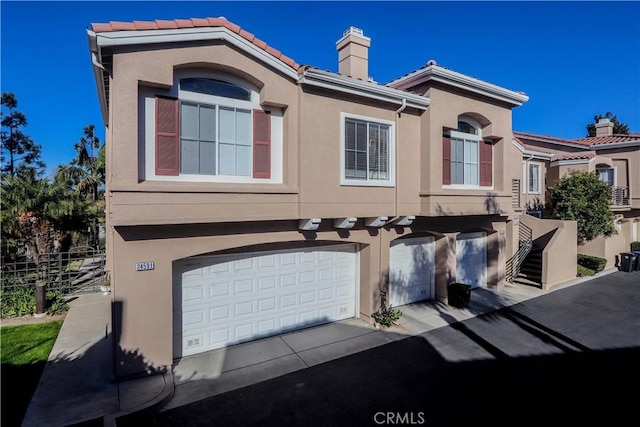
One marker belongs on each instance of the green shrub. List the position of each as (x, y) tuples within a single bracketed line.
[(17, 302), (594, 263), (584, 271), (386, 316), (56, 303), (635, 246)]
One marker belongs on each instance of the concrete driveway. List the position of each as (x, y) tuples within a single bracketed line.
[(569, 356)]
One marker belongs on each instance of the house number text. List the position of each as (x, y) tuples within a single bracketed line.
[(143, 266)]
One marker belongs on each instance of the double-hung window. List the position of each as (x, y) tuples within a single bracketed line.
[(467, 158), (367, 152), (607, 175)]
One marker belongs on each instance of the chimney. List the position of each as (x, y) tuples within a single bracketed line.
[(604, 127), (353, 54)]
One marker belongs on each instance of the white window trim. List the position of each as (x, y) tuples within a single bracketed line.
[(615, 174), (525, 177), (459, 135), (147, 131), (391, 182)]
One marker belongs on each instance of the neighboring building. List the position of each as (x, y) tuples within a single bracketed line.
[(248, 195), (616, 160)]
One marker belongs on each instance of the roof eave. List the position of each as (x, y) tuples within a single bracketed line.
[(144, 37), (534, 154), (455, 79), (333, 81), (98, 74)]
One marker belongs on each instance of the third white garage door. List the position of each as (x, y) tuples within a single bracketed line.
[(227, 299), (411, 270)]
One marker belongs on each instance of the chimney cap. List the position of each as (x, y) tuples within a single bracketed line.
[(603, 120), (353, 30)]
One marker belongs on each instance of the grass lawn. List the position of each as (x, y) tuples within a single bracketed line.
[(24, 351)]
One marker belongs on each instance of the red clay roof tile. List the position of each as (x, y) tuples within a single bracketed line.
[(199, 22), (574, 156), (166, 25), (145, 25), (122, 26), (101, 28), (247, 35), (192, 23), (184, 23)]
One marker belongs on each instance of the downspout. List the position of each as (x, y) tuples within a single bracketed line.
[(399, 111)]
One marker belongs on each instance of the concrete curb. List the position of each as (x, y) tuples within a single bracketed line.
[(138, 390)]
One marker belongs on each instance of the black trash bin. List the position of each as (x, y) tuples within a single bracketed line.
[(627, 262), (637, 258), (459, 294)]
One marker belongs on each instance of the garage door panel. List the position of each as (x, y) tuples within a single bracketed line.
[(411, 270), (471, 259), (236, 298)]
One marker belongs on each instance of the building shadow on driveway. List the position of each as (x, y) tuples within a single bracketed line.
[(412, 381)]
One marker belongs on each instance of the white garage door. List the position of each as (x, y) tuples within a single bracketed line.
[(227, 299), (411, 270), (471, 259)]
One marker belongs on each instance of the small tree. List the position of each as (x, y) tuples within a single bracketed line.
[(581, 196), (86, 175), (19, 152), (618, 128)]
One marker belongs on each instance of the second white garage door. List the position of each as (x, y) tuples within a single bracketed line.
[(411, 270), (227, 299), (471, 259)]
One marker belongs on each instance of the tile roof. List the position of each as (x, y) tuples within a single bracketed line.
[(531, 147), (194, 23), (587, 142), (610, 139), (574, 156), (527, 135)]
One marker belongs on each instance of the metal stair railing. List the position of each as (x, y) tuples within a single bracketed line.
[(525, 244)]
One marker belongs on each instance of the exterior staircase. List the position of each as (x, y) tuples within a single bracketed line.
[(531, 269)]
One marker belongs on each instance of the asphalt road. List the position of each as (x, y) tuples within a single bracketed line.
[(571, 357)]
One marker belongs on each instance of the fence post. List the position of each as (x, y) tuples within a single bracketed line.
[(41, 301)]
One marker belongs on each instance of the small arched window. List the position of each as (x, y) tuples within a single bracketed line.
[(466, 127), (215, 87)]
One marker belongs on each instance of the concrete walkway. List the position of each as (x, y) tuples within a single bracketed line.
[(77, 384)]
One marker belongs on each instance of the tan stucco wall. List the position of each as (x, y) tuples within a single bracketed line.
[(557, 239), (446, 106), (606, 247), (167, 221), (134, 202), (627, 162), (144, 299)]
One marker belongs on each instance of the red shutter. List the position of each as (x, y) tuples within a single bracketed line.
[(261, 144), (486, 163), (167, 138), (446, 160)]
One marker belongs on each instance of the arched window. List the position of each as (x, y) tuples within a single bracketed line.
[(467, 158), (210, 127)]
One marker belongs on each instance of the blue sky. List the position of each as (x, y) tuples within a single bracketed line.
[(573, 59)]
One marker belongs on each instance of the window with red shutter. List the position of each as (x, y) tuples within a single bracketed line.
[(446, 160), (261, 144), (167, 138), (486, 164)]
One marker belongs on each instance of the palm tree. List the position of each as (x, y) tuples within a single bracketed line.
[(37, 215), (86, 175)]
